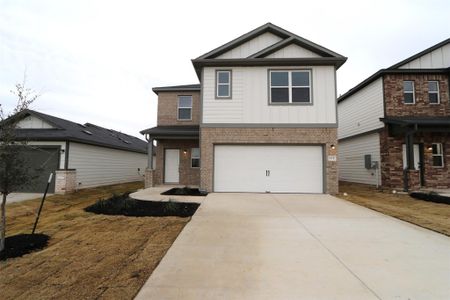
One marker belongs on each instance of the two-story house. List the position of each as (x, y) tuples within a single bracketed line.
[(262, 119), (394, 127)]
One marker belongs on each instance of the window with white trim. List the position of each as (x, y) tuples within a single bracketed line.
[(185, 108), (408, 92), (290, 86), (438, 155), (195, 157), (223, 84), (433, 92)]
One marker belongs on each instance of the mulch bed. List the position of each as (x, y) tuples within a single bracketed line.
[(432, 197), (21, 244), (184, 192), (126, 206)]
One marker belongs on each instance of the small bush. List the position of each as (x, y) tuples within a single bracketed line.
[(126, 206), (185, 191), (431, 197)]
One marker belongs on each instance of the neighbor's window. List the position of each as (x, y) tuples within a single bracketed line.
[(195, 157), (408, 92), (223, 81), (438, 155), (184, 107), (433, 92), (290, 86)]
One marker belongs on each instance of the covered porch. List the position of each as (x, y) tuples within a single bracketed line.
[(177, 156)]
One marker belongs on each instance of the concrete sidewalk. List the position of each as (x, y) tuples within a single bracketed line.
[(266, 246)]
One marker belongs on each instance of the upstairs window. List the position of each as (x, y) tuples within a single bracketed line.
[(195, 157), (184, 108), (408, 92), (223, 84), (433, 92), (292, 87), (438, 155)]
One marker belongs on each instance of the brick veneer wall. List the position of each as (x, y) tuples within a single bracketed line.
[(188, 176), (211, 136), (168, 108), (392, 161), (65, 181), (393, 95)]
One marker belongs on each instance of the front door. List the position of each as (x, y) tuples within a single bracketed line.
[(171, 166), (418, 158)]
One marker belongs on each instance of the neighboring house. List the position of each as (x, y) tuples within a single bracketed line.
[(262, 119), (79, 156), (400, 116)]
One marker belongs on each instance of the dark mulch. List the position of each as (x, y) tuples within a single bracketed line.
[(185, 192), (21, 244), (126, 206), (432, 197)]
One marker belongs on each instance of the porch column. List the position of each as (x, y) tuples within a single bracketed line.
[(150, 154), (409, 145)]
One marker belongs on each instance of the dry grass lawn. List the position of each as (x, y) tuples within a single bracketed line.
[(89, 256), (434, 216)]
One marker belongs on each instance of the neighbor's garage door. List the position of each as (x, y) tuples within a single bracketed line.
[(40, 162), (268, 168)]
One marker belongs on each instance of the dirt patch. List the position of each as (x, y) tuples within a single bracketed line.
[(185, 192), (89, 256), (126, 206), (21, 244), (434, 216)]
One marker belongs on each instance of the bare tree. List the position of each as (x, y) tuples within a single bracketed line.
[(13, 172)]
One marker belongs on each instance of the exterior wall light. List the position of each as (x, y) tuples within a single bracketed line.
[(332, 147), (430, 148), (184, 151)]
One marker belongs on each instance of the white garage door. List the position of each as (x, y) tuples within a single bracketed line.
[(276, 169)]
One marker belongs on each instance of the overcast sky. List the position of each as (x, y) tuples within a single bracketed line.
[(96, 61)]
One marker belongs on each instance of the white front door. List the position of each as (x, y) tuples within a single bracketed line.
[(171, 166), (416, 156), (268, 168)]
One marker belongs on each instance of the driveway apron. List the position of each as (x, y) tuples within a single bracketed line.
[(285, 246)]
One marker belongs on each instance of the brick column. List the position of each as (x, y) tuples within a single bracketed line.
[(149, 178), (65, 181)]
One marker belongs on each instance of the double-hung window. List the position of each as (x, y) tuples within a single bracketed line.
[(408, 92), (195, 157), (438, 155), (185, 108), (433, 92), (223, 84), (290, 86)]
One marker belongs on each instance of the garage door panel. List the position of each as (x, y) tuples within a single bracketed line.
[(293, 169)]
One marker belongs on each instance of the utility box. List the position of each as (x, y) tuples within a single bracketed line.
[(368, 161)]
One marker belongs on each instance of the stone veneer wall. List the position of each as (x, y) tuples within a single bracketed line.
[(393, 95), (392, 161), (211, 136), (188, 176), (65, 181)]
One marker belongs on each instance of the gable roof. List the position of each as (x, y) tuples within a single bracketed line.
[(327, 56), (394, 69), (65, 130)]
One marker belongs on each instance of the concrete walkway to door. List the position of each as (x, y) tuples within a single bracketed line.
[(267, 246)]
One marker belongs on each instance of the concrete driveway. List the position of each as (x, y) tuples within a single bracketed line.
[(267, 246)]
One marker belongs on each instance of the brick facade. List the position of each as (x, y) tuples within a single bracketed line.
[(168, 108), (211, 136), (65, 181), (391, 145), (188, 176), (393, 95)]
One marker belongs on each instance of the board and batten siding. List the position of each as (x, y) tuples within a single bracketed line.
[(292, 51), (251, 47), (351, 159), (250, 99), (361, 112), (98, 166), (436, 59), (33, 123)]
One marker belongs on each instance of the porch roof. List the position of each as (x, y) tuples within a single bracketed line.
[(418, 124), (173, 132)]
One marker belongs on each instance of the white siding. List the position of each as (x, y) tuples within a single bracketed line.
[(351, 159), (292, 51), (33, 123), (362, 111), (439, 58), (62, 144), (102, 166), (250, 99), (251, 47)]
